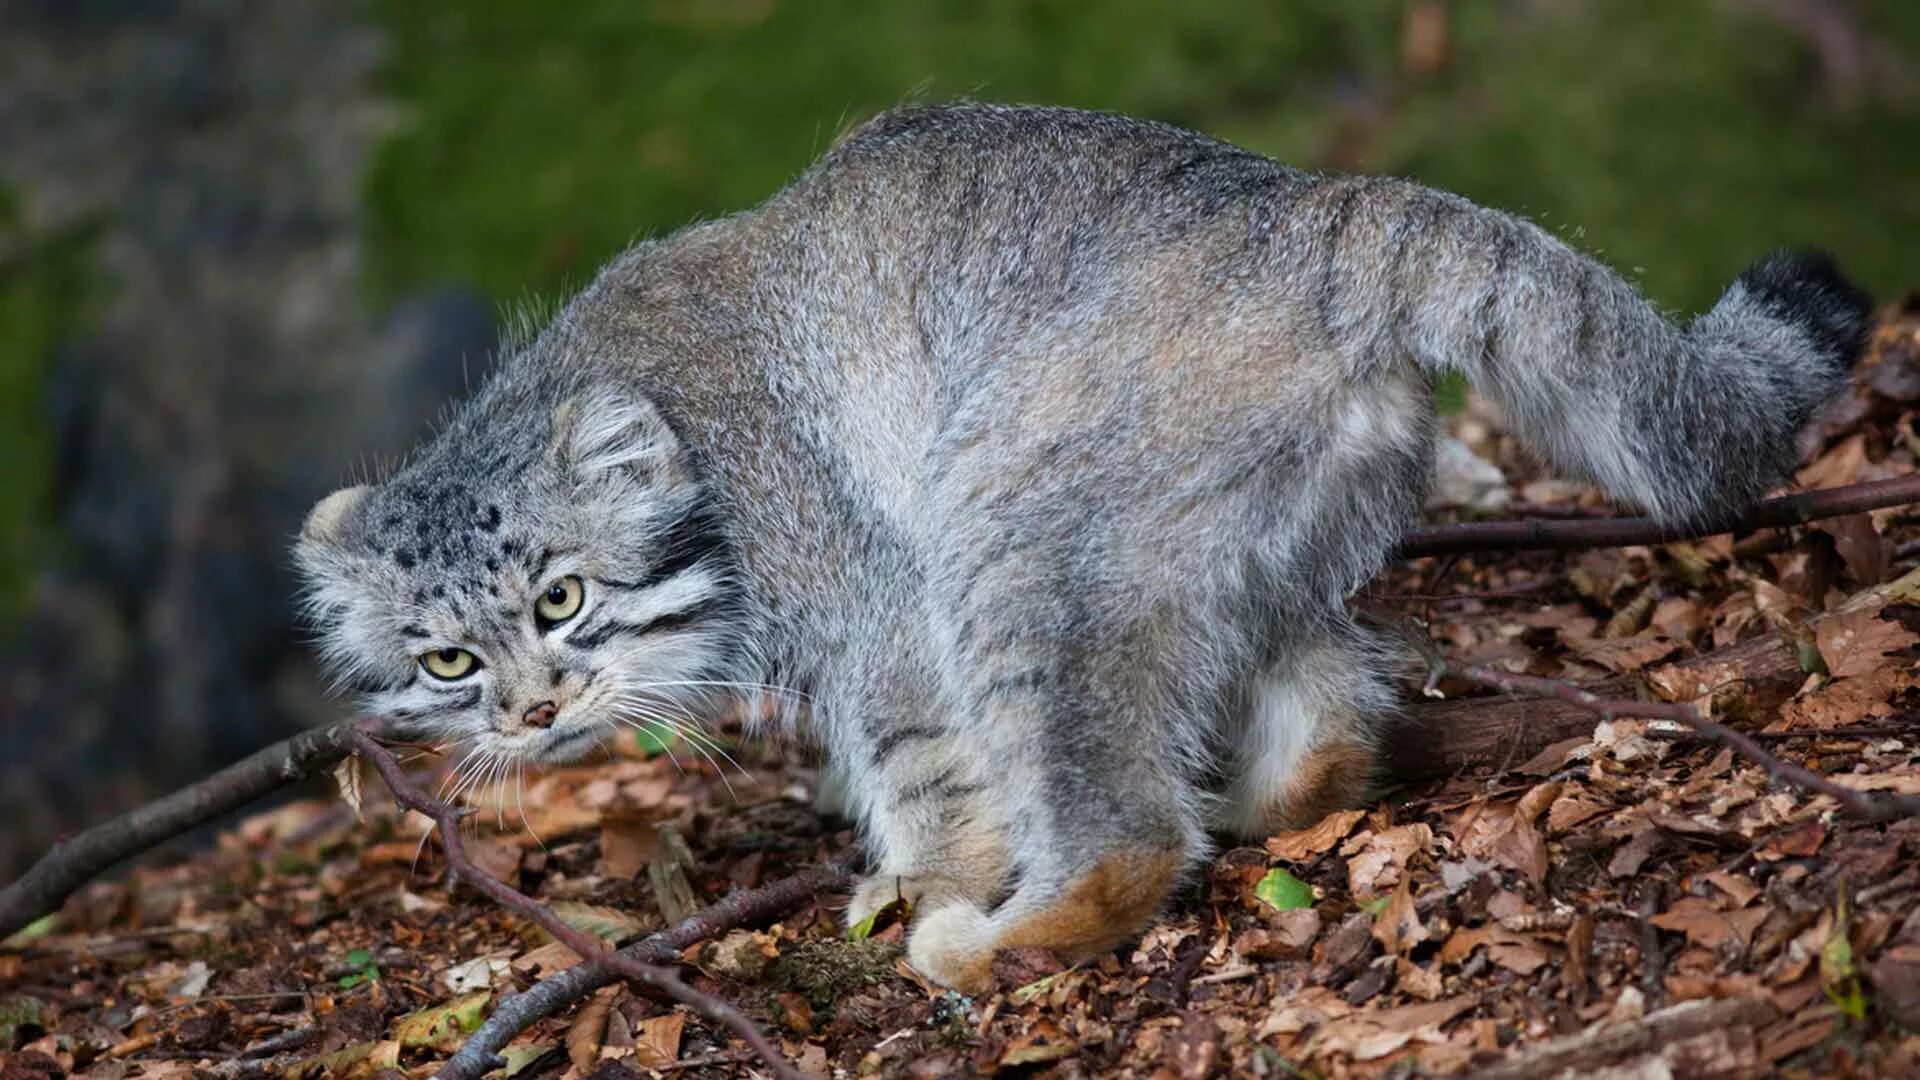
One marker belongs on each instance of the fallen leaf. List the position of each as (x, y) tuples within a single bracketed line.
[(589, 1029), (350, 1062), (1379, 865), (1282, 891), (1627, 654), (1039, 1044), (610, 925), (628, 842), (1303, 845), (479, 973), (1857, 642), (1706, 925), (443, 1027), (1398, 927), (346, 778), (656, 1041)]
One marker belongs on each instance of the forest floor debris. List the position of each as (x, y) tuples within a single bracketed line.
[(1633, 901)]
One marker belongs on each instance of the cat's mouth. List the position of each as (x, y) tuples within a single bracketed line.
[(559, 747)]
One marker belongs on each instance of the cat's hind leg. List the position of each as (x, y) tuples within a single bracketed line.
[(1309, 741)]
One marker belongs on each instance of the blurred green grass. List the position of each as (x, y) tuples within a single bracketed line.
[(1683, 138), (45, 288)]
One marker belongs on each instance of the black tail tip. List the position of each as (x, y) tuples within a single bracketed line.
[(1805, 287)]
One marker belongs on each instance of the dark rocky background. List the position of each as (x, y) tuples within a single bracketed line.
[(210, 157)]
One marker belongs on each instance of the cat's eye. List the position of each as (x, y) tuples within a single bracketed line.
[(449, 664), (561, 601)]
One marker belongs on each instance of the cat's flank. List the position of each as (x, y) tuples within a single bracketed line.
[(1040, 450)]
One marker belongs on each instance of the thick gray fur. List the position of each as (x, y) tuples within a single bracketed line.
[(1040, 450)]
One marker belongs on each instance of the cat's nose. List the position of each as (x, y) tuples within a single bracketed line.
[(541, 715)]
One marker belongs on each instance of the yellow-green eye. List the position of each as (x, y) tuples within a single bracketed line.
[(561, 601), (449, 663)]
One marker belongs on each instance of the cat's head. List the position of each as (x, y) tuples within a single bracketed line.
[(527, 588)]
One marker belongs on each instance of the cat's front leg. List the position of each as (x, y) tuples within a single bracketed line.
[(928, 816)]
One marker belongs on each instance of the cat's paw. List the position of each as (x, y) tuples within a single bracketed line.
[(1110, 901), (879, 890), (953, 945)]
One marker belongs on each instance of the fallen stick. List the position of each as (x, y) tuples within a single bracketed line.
[(1607, 1044), (73, 862), (446, 818), (1857, 803), (550, 995), (1575, 535)]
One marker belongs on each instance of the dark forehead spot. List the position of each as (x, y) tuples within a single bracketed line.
[(493, 565), (404, 556), (437, 592), (492, 520), (510, 547)]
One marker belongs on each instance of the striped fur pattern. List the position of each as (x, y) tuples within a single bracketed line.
[(1040, 450)]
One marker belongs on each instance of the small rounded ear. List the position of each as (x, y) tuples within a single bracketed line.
[(327, 521), (607, 431)]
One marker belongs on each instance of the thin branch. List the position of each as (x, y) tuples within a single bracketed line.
[(73, 862), (554, 993), (1857, 803), (1564, 535), (592, 950)]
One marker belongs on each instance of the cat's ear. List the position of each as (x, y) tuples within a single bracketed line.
[(327, 521), (604, 434)]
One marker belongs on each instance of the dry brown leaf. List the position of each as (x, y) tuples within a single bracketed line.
[(1625, 654), (1398, 927), (1421, 982), (1741, 890), (656, 1042), (1573, 811), (1382, 862), (629, 840), (1706, 925), (1857, 642), (1839, 465), (1500, 833), (1375, 1033), (1302, 845), (1859, 545), (589, 1029)]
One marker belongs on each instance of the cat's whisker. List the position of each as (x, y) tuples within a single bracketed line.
[(647, 727), (520, 802), (694, 732), (697, 741)]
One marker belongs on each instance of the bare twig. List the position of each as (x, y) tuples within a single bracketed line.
[(73, 862), (548, 996), (592, 950), (1564, 535), (1857, 803)]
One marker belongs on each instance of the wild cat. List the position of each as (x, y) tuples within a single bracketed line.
[(1040, 450)]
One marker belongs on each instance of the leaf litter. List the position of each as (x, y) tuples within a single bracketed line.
[(1631, 902)]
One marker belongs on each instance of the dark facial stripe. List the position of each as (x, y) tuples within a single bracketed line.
[(689, 540), (601, 633)]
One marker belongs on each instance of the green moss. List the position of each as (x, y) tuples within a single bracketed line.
[(45, 287), (825, 971)]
